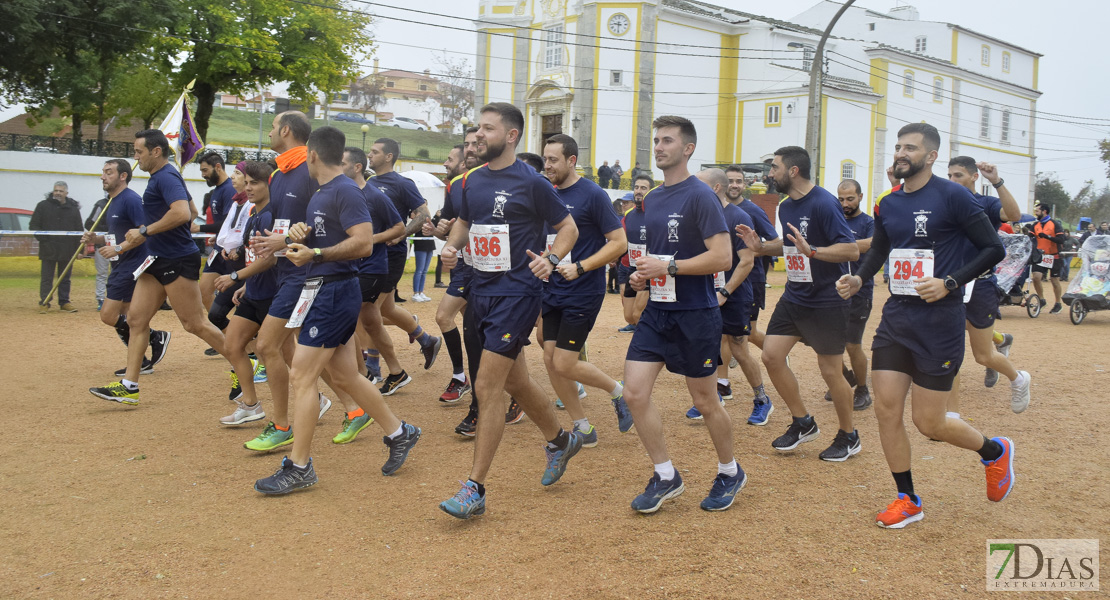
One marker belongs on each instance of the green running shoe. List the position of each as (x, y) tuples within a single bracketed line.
[(271, 438), (351, 428), (116, 392), (259, 371)]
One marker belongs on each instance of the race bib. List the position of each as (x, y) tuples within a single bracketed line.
[(797, 265), (489, 247), (968, 290), (907, 265), (146, 263), (551, 240), (1046, 261), (635, 251), (718, 280), (248, 255), (110, 240), (281, 227), (308, 294), (212, 257), (467, 258), (662, 288)]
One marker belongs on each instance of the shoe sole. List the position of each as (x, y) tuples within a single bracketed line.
[(407, 380), (766, 419), (1009, 472), (462, 392), (122, 372), (408, 453), (165, 347), (293, 488), (476, 513), (127, 401), (990, 378), (852, 451), (903, 522), (435, 354), (668, 496), (245, 419), (468, 434), (801, 440), (1020, 407), (572, 452), (518, 419), (325, 409), (863, 406), (272, 448), (743, 483), (335, 440)]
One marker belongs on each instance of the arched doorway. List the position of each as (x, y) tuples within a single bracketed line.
[(548, 113)]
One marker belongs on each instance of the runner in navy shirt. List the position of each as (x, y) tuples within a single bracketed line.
[(817, 244), (574, 293), (681, 326), (337, 234), (633, 303), (850, 194), (504, 208), (766, 231), (938, 240)]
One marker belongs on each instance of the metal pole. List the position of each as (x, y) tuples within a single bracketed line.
[(261, 111), (813, 116)]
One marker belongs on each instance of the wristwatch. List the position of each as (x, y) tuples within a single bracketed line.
[(118, 248), (288, 240), (581, 271), (142, 230), (554, 260), (317, 256), (234, 275), (812, 251), (672, 269), (950, 284), (724, 292), (1001, 182)]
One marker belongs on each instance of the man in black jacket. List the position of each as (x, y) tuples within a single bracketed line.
[(604, 174), (57, 212)]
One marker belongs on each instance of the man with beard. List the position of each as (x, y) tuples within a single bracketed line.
[(1047, 236), (502, 214), (220, 206), (816, 250), (938, 240), (634, 302), (574, 293)]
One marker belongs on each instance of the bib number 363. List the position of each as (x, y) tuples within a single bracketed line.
[(797, 265)]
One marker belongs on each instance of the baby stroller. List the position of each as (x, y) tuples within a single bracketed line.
[(1012, 273), (1089, 290)]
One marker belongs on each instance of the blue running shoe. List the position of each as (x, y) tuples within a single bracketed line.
[(287, 478), (695, 414), (761, 411), (589, 438), (724, 490), (400, 447), (259, 371), (656, 492), (581, 390), (559, 404), (624, 418), (630, 328), (466, 503), (557, 459)]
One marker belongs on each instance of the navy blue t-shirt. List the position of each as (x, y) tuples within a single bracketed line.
[(992, 206), (931, 218), (289, 196), (124, 214), (592, 211), (452, 200), (820, 220), (336, 207), (220, 201), (765, 229), (405, 196), (260, 286), (636, 231), (734, 215), (863, 227), (384, 216), (164, 188), (519, 198), (679, 218)]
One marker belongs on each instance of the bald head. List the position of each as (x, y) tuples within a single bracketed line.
[(291, 129), (716, 180)]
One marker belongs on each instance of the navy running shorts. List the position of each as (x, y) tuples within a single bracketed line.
[(459, 286), (931, 334), (502, 323), (285, 299), (859, 310), (167, 270), (735, 318), (373, 286), (332, 318), (982, 308), (252, 310), (121, 284), (823, 329), (688, 342)]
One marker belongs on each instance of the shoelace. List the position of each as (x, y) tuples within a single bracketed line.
[(466, 496), (234, 379)]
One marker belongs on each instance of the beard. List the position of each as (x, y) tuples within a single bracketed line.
[(908, 170), (212, 180), (492, 151), (782, 184), (731, 197)]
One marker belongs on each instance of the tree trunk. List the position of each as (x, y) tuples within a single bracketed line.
[(75, 141), (100, 126), (206, 98)]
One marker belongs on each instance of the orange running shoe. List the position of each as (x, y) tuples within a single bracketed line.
[(1000, 472), (900, 513)]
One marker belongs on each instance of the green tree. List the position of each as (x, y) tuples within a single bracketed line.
[(1049, 190), (238, 45), (1104, 148)]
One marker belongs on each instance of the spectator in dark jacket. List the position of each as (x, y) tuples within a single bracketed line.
[(58, 212), (604, 174), (1087, 233)]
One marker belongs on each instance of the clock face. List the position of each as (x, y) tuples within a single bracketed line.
[(619, 24)]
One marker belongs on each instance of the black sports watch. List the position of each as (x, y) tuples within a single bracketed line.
[(234, 275), (581, 271), (724, 292), (1001, 182), (317, 256), (950, 284), (672, 269), (554, 260), (142, 230)]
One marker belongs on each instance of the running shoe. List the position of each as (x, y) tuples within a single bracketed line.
[(1056, 308), (68, 307), (466, 503), (244, 414), (236, 390), (624, 417), (259, 371), (146, 369), (373, 370), (325, 404), (630, 328), (696, 415), (416, 320), (589, 436), (430, 350), (469, 423), (900, 513), (351, 428), (559, 404), (861, 398), (44, 308), (116, 392), (557, 459), (287, 478), (211, 352), (761, 411), (843, 446), (657, 492), (724, 391), (1000, 471), (1019, 392), (159, 343), (399, 447), (1007, 343), (455, 389), (271, 438), (724, 490), (395, 382), (799, 432), (99, 305), (990, 377), (733, 363), (581, 390), (515, 414)]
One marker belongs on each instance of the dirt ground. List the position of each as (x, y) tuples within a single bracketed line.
[(156, 501)]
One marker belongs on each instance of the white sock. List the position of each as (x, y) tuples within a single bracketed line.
[(459, 376), (582, 425), (131, 385), (617, 391), (722, 381), (1020, 381), (952, 415), (729, 470), (665, 471), (304, 466), (397, 433)]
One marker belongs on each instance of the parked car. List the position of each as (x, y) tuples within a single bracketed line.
[(17, 219), (351, 117), (405, 123)]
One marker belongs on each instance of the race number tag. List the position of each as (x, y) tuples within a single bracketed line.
[(468, 259), (1046, 261), (146, 263), (797, 265), (550, 241), (662, 288), (718, 280), (906, 266), (489, 245), (968, 290), (212, 257), (308, 294), (281, 227), (248, 256), (110, 240), (635, 251)]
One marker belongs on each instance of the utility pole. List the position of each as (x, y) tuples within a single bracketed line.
[(813, 116)]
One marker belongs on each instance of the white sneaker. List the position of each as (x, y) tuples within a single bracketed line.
[(1019, 392), (423, 298), (325, 404), (244, 414)]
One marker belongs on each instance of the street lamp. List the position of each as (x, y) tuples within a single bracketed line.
[(365, 128), (465, 123)]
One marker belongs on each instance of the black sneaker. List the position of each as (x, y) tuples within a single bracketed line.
[(799, 432), (725, 391), (469, 423), (1056, 308), (211, 352), (395, 382), (147, 368), (862, 398), (431, 351), (159, 341), (843, 446), (515, 413), (400, 447), (165, 305), (398, 299), (287, 478), (236, 390), (850, 376)]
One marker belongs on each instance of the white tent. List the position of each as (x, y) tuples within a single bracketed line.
[(432, 188)]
